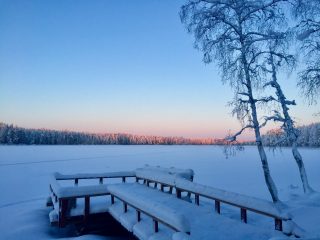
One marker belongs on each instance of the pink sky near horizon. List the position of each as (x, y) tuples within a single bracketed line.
[(76, 67)]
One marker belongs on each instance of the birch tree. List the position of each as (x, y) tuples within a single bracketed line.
[(307, 13), (233, 34), (276, 58)]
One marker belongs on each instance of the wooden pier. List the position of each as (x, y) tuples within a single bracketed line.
[(153, 201)]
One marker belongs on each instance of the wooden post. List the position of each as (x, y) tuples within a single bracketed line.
[(155, 225), (278, 224), (55, 198), (125, 207), (144, 181), (155, 185), (138, 216), (162, 188), (178, 193), (243, 213), (101, 180), (170, 190), (217, 206), (137, 179), (148, 183), (123, 179), (112, 199), (76, 181), (63, 207), (197, 199), (86, 207)]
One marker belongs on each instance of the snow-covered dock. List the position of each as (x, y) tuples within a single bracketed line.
[(160, 203)]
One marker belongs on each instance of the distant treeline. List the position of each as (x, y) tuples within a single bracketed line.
[(309, 136), (10, 134)]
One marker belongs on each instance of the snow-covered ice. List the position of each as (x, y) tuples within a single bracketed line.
[(25, 174)]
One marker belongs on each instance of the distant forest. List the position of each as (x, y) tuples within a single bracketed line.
[(11, 135), (309, 136)]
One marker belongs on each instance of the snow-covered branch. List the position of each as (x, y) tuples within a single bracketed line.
[(233, 137)]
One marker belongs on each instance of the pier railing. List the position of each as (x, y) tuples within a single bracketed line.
[(243, 202)]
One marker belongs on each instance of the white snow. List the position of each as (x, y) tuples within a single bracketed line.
[(144, 198), (178, 172), (25, 175), (180, 236), (60, 176), (234, 198), (203, 223), (164, 175), (80, 191)]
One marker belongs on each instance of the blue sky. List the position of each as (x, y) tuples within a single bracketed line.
[(111, 66)]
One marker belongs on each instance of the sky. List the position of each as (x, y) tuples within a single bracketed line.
[(112, 66)]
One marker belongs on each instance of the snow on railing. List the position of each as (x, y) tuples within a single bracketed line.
[(82, 191), (60, 176), (152, 175), (244, 202), (165, 176), (183, 173)]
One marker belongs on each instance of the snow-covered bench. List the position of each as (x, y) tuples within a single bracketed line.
[(181, 181), (64, 198), (245, 203), (144, 200), (147, 203)]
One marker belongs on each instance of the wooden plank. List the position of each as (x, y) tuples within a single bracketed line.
[(197, 199), (125, 207), (243, 213), (86, 207), (155, 225), (63, 207), (278, 224), (138, 216), (217, 206), (178, 193)]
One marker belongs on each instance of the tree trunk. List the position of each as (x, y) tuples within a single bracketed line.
[(290, 129), (265, 166), (302, 170)]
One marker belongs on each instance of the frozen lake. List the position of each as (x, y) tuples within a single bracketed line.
[(25, 170)]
